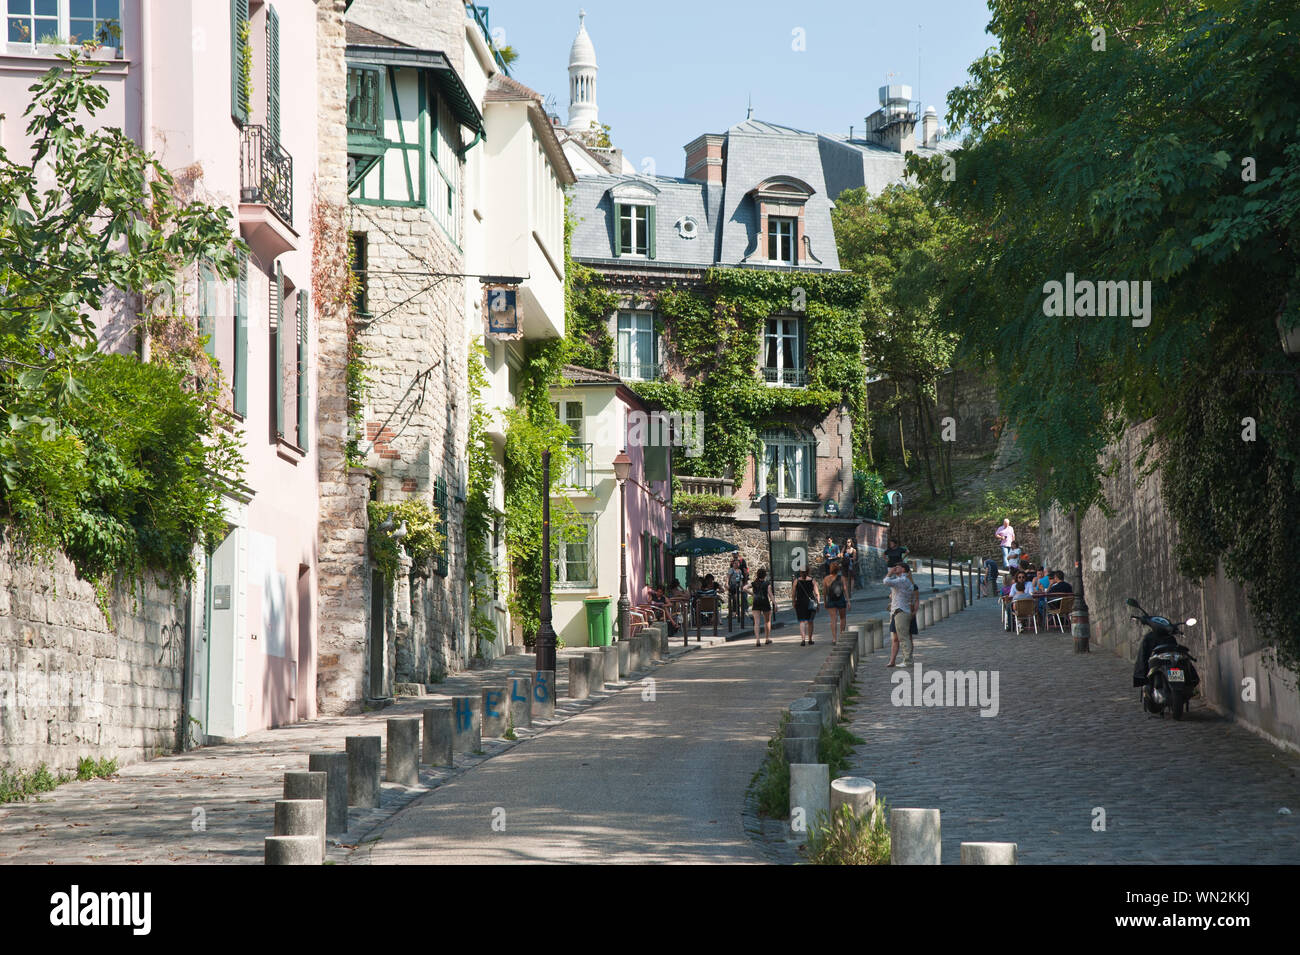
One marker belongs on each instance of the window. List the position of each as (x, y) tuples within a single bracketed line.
[(577, 473), (638, 346), (272, 74), (785, 465), (445, 148), (241, 58), (361, 298), (783, 352), (634, 230), (65, 21), (780, 239), (574, 556)]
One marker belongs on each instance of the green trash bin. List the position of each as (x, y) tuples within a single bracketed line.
[(600, 621)]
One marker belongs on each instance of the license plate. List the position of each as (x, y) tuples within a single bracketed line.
[(1175, 675)]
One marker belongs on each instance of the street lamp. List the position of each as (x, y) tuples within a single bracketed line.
[(951, 545), (622, 467), (1079, 616), (545, 632)]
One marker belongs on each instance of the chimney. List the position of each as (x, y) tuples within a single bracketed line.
[(704, 158), (929, 127), (894, 124)]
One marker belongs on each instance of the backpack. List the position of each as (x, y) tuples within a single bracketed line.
[(837, 588)]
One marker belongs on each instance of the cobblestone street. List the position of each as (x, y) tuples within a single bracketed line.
[(1069, 739)]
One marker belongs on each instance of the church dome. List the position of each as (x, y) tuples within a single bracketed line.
[(582, 53)]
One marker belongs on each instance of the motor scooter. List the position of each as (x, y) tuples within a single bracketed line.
[(1164, 667)]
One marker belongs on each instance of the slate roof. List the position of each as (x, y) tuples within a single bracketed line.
[(593, 232)]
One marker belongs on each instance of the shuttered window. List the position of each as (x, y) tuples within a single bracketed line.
[(239, 104), (241, 337), (272, 74), (277, 348), (304, 382)]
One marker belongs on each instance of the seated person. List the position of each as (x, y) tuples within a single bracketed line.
[(708, 588), (1058, 586), (1043, 580), (1022, 587)]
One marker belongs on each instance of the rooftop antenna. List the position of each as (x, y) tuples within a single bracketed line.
[(749, 112), (918, 62)]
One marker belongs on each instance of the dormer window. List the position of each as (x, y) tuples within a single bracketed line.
[(634, 230), (779, 202), (781, 232)]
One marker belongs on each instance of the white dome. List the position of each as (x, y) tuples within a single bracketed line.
[(582, 53)]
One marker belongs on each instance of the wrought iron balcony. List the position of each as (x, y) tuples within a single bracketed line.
[(637, 370), (266, 173), (578, 471), (790, 377)]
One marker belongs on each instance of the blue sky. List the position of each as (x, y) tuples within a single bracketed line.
[(673, 69)]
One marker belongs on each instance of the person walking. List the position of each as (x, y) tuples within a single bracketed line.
[(1006, 537), (895, 553), (805, 597), (735, 589), (851, 563), (902, 600), (837, 599), (763, 600)]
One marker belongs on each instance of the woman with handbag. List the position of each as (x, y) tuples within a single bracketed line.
[(761, 588), (806, 596)]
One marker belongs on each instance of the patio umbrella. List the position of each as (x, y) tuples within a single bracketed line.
[(700, 546)]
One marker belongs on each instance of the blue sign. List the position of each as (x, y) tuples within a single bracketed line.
[(502, 311)]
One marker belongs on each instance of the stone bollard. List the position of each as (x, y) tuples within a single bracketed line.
[(302, 817), (521, 696), (404, 751), (988, 853), (609, 656), (624, 649), (439, 736), (858, 634), (363, 771), (944, 606), (808, 723), (800, 749), (335, 768), (857, 793), (579, 674), (635, 654), (467, 723), (954, 601), (655, 641), (494, 713), (313, 786), (914, 837), (826, 706), (595, 669), (878, 631), (291, 850), (809, 794), (805, 704), (544, 695)]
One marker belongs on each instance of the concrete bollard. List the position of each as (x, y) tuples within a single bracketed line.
[(363, 771), (805, 704), (624, 649), (595, 670), (291, 850), (857, 793), (914, 837), (544, 695), (439, 736), (826, 706), (857, 633), (495, 713), (988, 853), (302, 817), (799, 749), (807, 723), (609, 656), (579, 675), (404, 751), (335, 768), (809, 794), (467, 723), (944, 606), (878, 634), (520, 700), (313, 786)]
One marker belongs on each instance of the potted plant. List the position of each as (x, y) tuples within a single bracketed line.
[(51, 44)]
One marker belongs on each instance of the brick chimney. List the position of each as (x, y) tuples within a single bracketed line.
[(704, 155)]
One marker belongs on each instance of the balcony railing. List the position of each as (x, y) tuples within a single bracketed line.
[(637, 370), (724, 487), (577, 473), (792, 377), (266, 173)]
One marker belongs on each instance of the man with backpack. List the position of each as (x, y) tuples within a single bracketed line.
[(837, 598)]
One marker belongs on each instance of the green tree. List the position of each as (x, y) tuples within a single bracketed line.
[(1136, 140)]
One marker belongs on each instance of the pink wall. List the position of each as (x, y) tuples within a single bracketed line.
[(645, 512)]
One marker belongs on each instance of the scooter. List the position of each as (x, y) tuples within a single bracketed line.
[(1164, 666)]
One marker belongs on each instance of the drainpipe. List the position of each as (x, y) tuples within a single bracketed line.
[(146, 125)]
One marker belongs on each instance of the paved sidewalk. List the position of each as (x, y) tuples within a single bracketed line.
[(1069, 739), (216, 804)]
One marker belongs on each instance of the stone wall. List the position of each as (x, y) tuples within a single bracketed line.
[(343, 570), (969, 398), (1132, 555), (71, 685), (928, 536)]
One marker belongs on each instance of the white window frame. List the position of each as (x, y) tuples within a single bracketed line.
[(560, 568), (638, 217), (788, 328), (784, 449), (64, 19), (782, 229), (445, 178), (630, 335)]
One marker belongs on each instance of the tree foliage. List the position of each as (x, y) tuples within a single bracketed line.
[(1136, 140)]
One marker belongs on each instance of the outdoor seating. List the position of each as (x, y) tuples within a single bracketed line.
[(1025, 610), (1060, 610), (706, 604)]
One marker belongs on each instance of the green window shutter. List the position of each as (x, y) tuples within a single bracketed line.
[(618, 229), (440, 508), (241, 338), (272, 74), (650, 231), (238, 92), (207, 313), (277, 329), (304, 380), (656, 462)]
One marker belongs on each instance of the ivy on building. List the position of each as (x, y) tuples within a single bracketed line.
[(480, 572)]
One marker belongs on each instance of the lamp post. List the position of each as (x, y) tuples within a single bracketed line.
[(1079, 616), (622, 466), (545, 632), (951, 545)]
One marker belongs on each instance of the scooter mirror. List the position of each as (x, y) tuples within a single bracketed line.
[(1191, 621), (1131, 602)]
